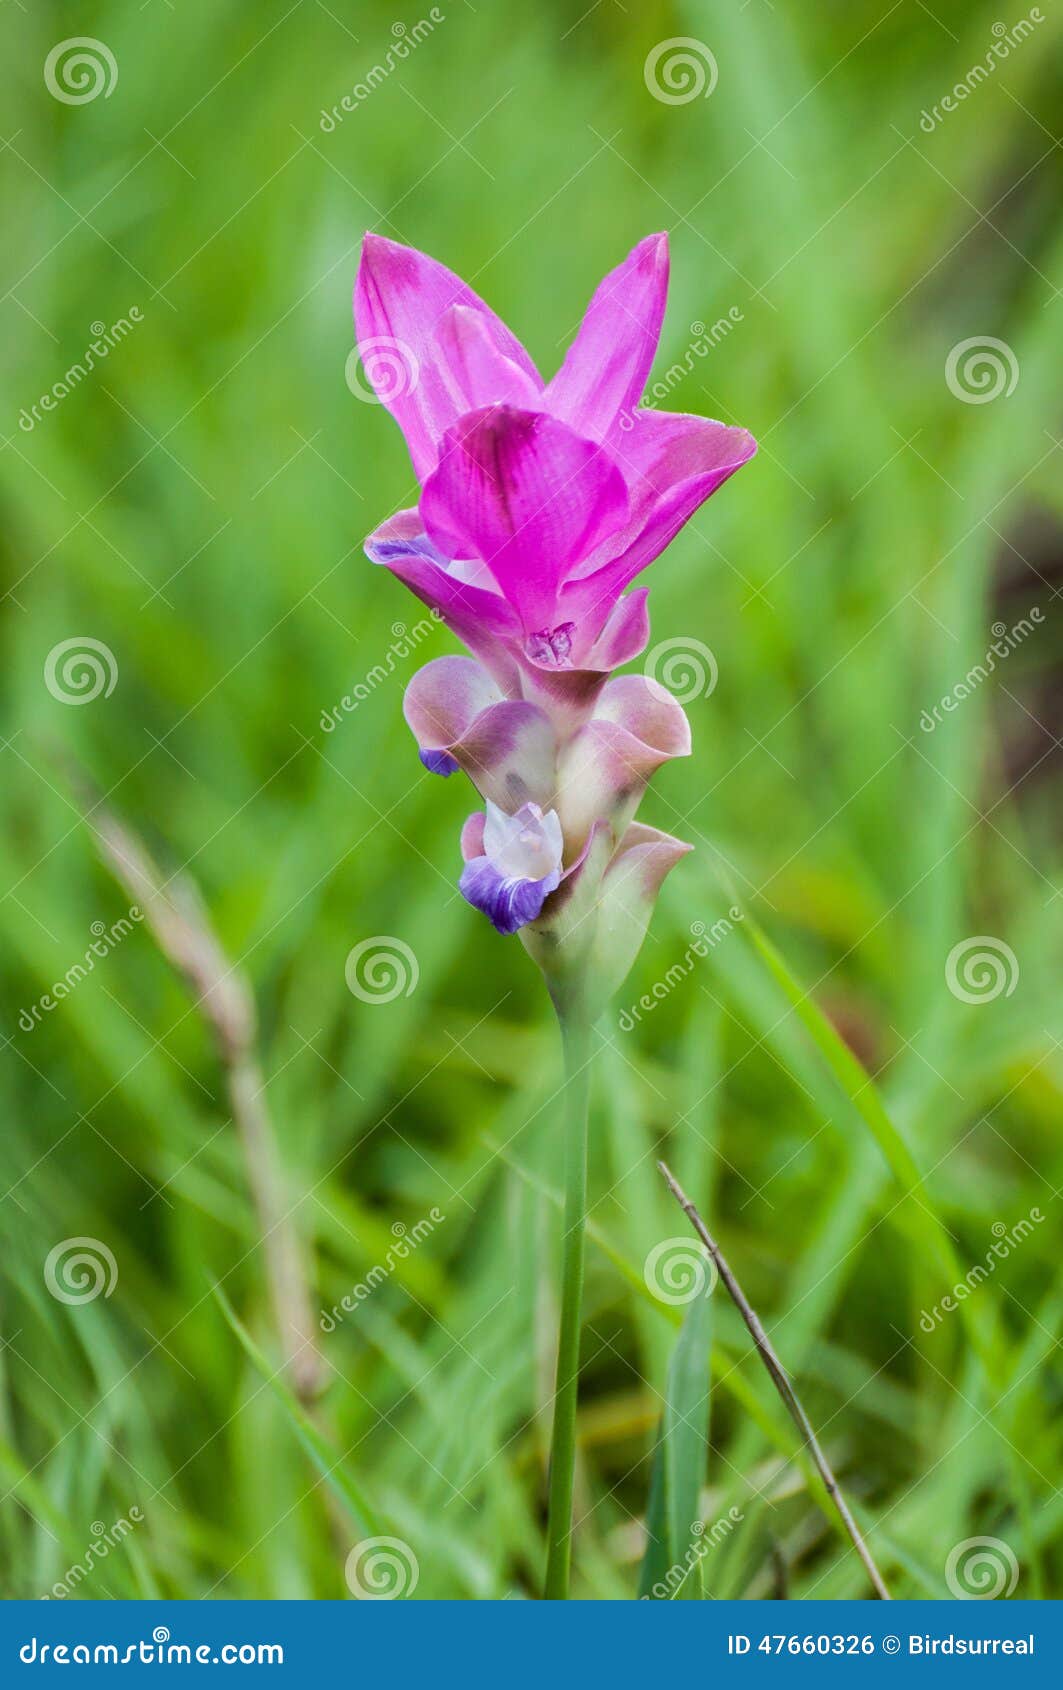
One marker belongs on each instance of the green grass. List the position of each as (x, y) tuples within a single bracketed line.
[(854, 1130)]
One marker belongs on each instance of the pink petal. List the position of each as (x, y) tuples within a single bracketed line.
[(569, 695), (526, 495), (399, 298), (605, 370), (672, 465), (472, 836), (625, 635), (627, 900), (648, 712), (472, 367), (510, 755), (604, 770), (444, 698), (507, 747)]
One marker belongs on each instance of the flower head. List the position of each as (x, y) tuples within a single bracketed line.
[(539, 504)]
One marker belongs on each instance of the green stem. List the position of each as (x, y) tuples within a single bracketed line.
[(575, 1034)]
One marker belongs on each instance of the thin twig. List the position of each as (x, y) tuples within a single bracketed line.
[(174, 911), (781, 1381)]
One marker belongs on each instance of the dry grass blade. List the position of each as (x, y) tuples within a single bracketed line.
[(175, 914), (780, 1380)]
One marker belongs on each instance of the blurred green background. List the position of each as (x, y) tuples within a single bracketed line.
[(197, 503)]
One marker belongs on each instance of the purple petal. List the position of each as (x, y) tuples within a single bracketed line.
[(509, 903), (399, 298), (439, 762), (529, 497), (605, 371)]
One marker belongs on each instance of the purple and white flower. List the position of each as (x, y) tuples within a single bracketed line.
[(518, 863)]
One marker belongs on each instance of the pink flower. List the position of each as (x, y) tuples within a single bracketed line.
[(539, 503)]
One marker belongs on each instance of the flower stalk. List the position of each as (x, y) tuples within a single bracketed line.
[(540, 502), (576, 1042)]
